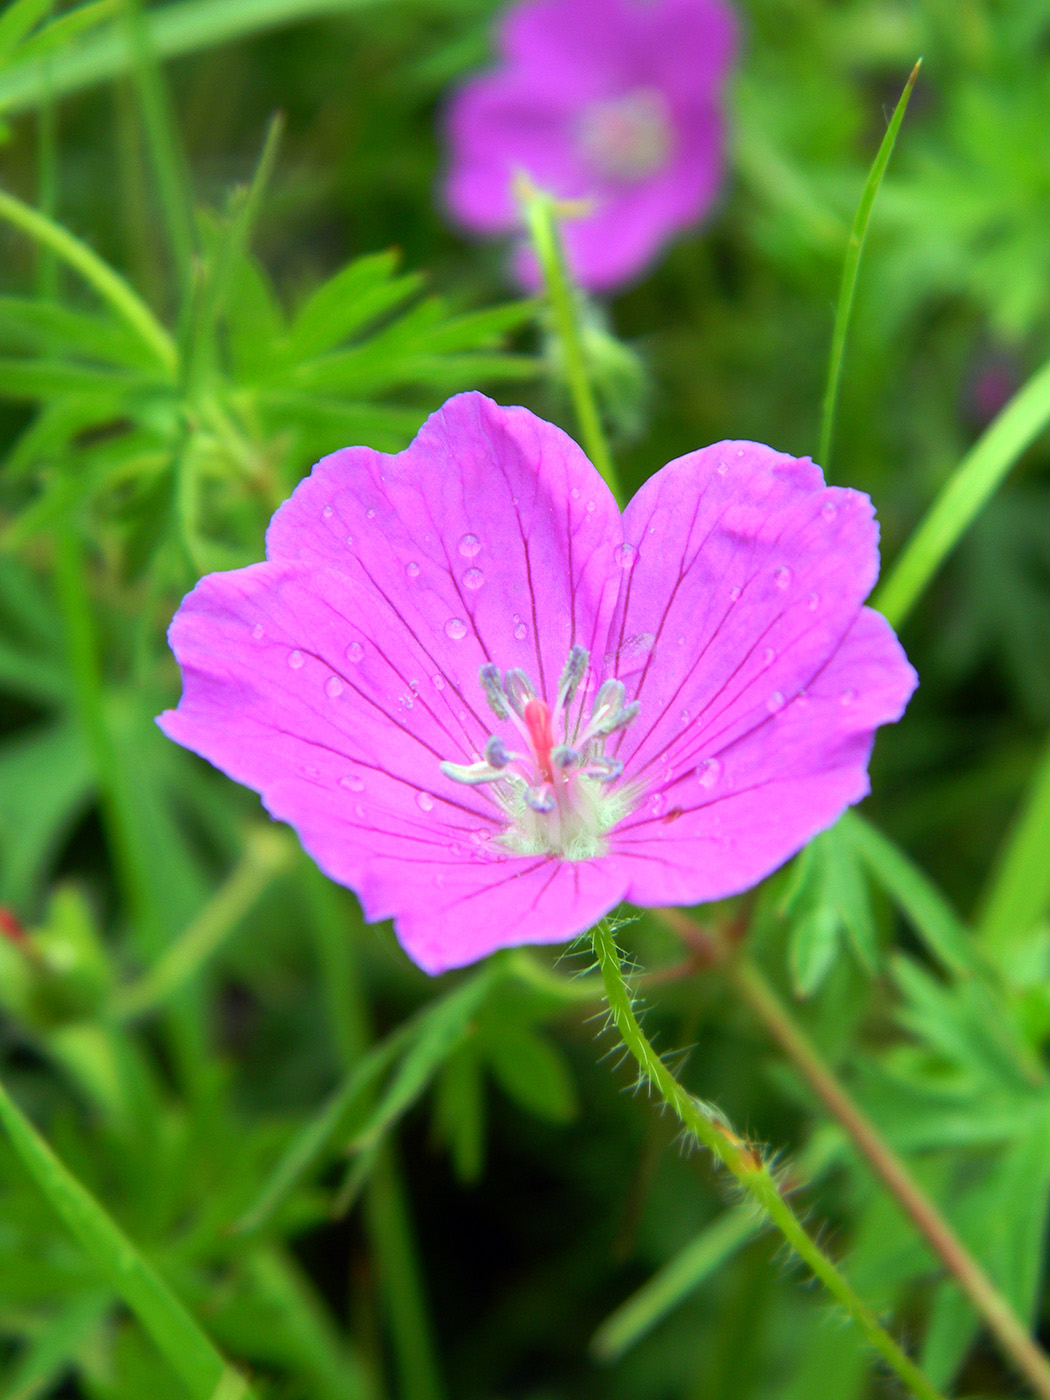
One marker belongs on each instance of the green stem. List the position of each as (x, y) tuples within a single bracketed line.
[(540, 214), (266, 854), (996, 1311), (850, 268), (112, 288), (963, 496), (747, 1167)]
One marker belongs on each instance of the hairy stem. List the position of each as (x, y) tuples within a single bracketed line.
[(747, 1167), (540, 216)]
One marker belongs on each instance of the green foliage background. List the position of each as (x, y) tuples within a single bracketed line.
[(279, 1143)]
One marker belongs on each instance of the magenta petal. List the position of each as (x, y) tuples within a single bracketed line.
[(720, 827), (336, 677)]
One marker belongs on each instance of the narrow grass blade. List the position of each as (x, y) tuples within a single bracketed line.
[(1019, 896), (673, 1283), (185, 1346), (184, 27), (916, 896), (848, 286), (975, 480)]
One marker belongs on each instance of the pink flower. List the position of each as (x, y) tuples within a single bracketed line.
[(616, 102), (495, 707)]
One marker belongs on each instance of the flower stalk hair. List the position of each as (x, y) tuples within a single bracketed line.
[(496, 707)]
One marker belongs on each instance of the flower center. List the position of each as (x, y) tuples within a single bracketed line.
[(559, 792), (627, 138)]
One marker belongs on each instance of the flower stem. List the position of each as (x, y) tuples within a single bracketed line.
[(999, 1316), (747, 1167), (540, 211)]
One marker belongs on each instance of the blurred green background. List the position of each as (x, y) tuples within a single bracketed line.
[(358, 1181)]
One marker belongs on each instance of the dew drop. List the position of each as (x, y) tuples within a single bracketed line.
[(359, 811), (327, 513), (723, 467), (424, 801), (829, 510), (371, 513), (768, 656), (625, 556), (352, 783), (848, 696), (439, 681), (333, 687), (350, 539), (406, 701), (684, 717), (296, 659), (469, 546), (734, 594), (412, 569), (473, 579), (775, 702), (658, 804), (590, 507), (258, 632), (782, 577), (813, 602), (521, 632), (354, 652), (681, 641), (575, 493), (456, 628), (708, 772)]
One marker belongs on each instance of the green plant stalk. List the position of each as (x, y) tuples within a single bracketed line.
[(385, 1204), (1019, 894), (165, 146), (747, 1167), (267, 853), (177, 1335), (181, 28), (1018, 1347), (98, 274), (117, 815), (47, 166), (967, 491), (540, 218), (850, 268)]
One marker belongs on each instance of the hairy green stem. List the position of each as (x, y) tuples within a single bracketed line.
[(999, 1316), (112, 288), (540, 214), (747, 1167)]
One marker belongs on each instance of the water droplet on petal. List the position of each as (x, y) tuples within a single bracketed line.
[(412, 569), (296, 659), (723, 467), (734, 594), (371, 513), (456, 628), (708, 772), (684, 717), (424, 801), (575, 493), (439, 682), (333, 687), (768, 656), (258, 632), (782, 577), (406, 701), (848, 696), (469, 546), (473, 579), (813, 602), (359, 811), (829, 510), (349, 539), (625, 555), (590, 507), (327, 512), (521, 632), (775, 702), (658, 804), (352, 783), (354, 652)]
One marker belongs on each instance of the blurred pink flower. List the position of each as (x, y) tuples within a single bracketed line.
[(616, 102), (495, 707)]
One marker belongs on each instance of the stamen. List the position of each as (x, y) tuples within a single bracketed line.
[(564, 757), (490, 683), (572, 675), (540, 799), (605, 770), (518, 689), (496, 753), (471, 773)]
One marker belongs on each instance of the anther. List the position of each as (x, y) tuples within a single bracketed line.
[(518, 689), (564, 757), (605, 770), (573, 674), (490, 683), (496, 753), (540, 799)]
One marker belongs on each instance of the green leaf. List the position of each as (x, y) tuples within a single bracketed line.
[(16, 22), (829, 899), (459, 1112), (1019, 897), (179, 1338), (531, 1070), (357, 295)]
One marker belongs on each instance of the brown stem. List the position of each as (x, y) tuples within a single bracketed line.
[(747, 980)]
